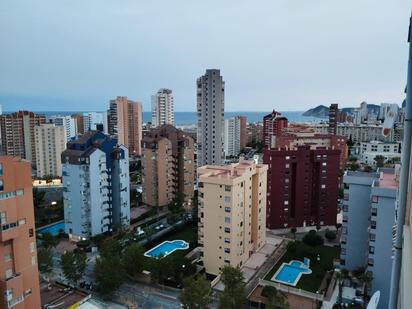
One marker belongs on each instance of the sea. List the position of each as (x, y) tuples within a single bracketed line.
[(190, 118)]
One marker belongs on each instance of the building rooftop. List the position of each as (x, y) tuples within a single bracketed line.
[(231, 171), (388, 180)]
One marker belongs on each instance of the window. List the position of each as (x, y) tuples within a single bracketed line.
[(1, 185), (227, 199), (371, 262), (9, 273), (3, 218), (227, 230), (227, 250), (227, 240), (371, 249), (227, 209), (374, 211), (375, 199), (373, 224), (32, 247), (7, 257), (345, 208), (372, 237), (228, 188), (33, 260), (227, 219)]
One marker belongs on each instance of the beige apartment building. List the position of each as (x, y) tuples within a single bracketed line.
[(50, 142), (232, 212), (125, 123), (19, 277), (168, 166)]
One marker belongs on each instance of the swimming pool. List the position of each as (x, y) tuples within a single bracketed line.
[(290, 273), (53, 228), (167, 247)]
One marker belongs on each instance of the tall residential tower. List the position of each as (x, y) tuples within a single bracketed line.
[(162, 108), (210, 118)]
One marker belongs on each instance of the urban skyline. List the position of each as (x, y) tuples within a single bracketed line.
[(296, 75)]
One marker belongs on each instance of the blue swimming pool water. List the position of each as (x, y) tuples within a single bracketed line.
[(166, 248), (291, 272), (52, 228)]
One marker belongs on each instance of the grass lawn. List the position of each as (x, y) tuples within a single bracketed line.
[(311, 282)]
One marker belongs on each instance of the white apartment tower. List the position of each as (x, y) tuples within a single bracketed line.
[(162, 108), (69, 124), (96, 185), (233, 135), (50, 141), (210, 118)]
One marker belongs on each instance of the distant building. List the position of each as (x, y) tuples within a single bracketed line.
[(273, 125), (69, 124), (363, 112), (369, 151), (254, 132), (125, 123), (79, 120), (232, 209), (17, 134), (163, 108), (333, 118), (50, 142), (19, 275), (91, 121), (235, 135), (96, 185), (168, 164), (210, 118), (302, 186), (369, 208)]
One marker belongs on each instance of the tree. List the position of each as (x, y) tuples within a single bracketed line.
[(109, 273), (367, 169), (45, 260), (49, 241), (276, 299), (73, 264), (366, 279), (380, 160), (163, 268), (110, 247), (354, 166), (38, 196), (176, 205), (339, 278), (293, 230), (195, 293), (133, 259), (312, 239), (330, 235), (233, 296)]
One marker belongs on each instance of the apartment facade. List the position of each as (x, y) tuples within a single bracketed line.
[(69, 124), (369, 150), (19, 277), (168, 166), (235, 135), (95, 121), (50, 142), (314, 141), (210, 118), (333, 118), (17, 134), (302, 186), (369, 209), (232, 210), (125, 123), (96, 185), (163, 108), (273, 125), (254, 132)]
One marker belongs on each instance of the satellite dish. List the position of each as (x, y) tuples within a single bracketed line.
[(373, 303)]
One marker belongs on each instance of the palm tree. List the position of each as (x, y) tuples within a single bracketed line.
[(366, 279), (340, 277)]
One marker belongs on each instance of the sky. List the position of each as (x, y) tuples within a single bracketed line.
[(76, 55)]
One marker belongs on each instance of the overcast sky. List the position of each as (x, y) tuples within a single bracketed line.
[(284, 54)]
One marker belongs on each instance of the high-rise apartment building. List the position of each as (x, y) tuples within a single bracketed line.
[(125, 123), (333, 118), (168, 166), (95, 121), (369, 208), (79, 120), (50, 141), (232, 210), (162, 108), (17, 134), (302, 186), (210, 118), (19, 277), (235, 135), (273, 125), (96, 185), (254, 133), (69, 124)]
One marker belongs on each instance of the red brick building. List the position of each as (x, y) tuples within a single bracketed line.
[(302, 186), (273, 125)]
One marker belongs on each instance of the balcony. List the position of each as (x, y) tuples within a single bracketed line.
[(8, 234), (14, 283)]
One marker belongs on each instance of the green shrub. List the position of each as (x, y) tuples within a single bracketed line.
[(312, 239), (330, 235)]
